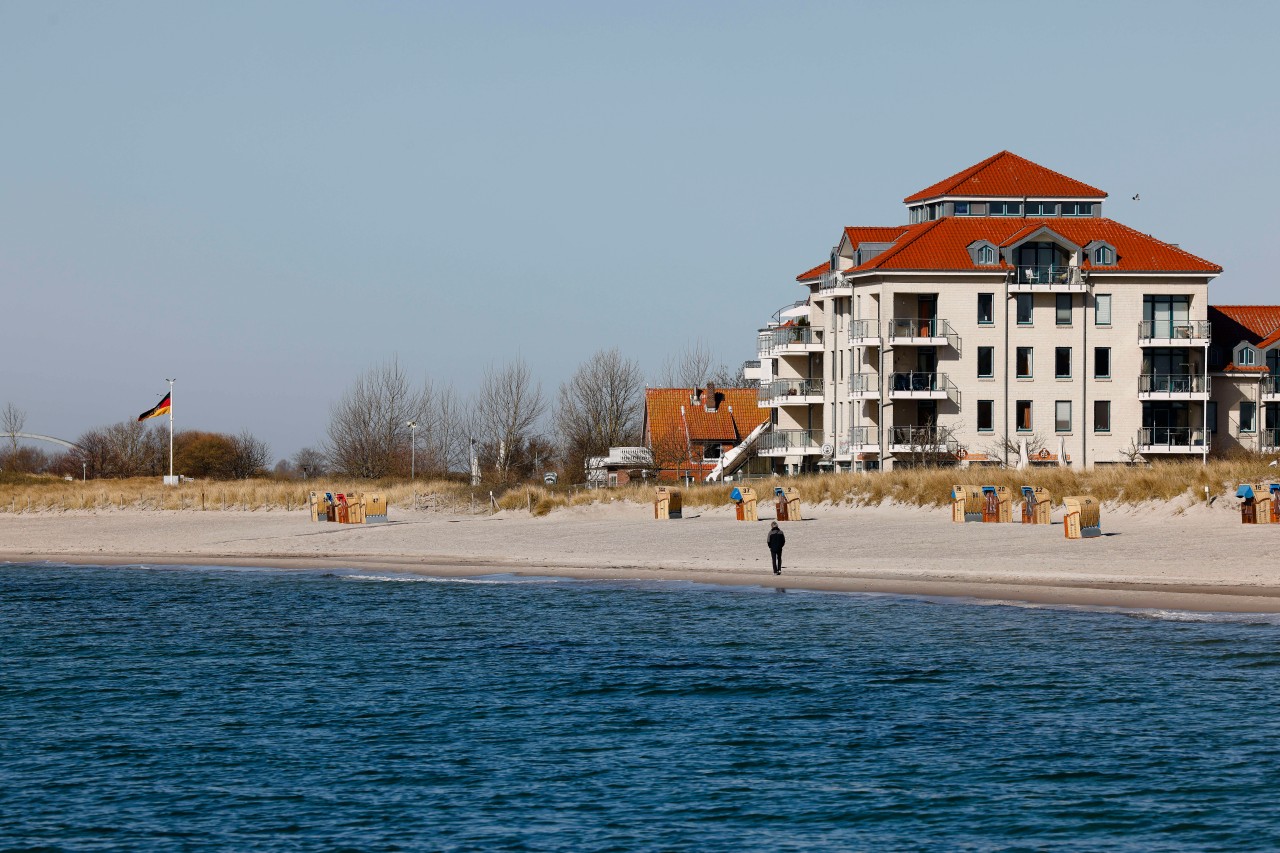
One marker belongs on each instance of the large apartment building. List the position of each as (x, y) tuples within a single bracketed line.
[(1007, 312)]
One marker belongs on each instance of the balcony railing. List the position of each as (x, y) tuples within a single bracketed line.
[(781, 390), (1271, 388), (1193, 332), (919, 439), (865, 332), (1270, 438), (831, 281), (863, 437), (924, 332), (1171, 440), (864, 386), (1048, 276), (793, 441), (928, 386), (1172, 384), (801, 337)]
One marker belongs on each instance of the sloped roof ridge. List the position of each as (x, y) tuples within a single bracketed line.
[(1177, 249), (1079, 189), (919, 231)]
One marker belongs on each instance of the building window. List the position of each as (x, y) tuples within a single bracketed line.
[(1006, 208), (1024, 362), (1102, 416), (1211, 415), (1077, 208), (986, 416), (1042, 208), (1064, 309), (1024, 309), (962, 208), (986, 362), (1247, 358), (1102, 309), (986, 305), (1104, 256), (1248, 417), (987, 255), (1023, 413), (1062, 362), (1062, 416), (1102, 362)]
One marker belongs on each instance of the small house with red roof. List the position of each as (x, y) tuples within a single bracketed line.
[(690, 430), (1244, 362), (1007, 308)]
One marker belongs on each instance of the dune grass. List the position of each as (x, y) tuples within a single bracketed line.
[(920, 487)]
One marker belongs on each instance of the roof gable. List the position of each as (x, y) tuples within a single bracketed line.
[(672, 416), (1006, 175)]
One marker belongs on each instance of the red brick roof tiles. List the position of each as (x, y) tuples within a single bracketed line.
[(1255, 322), (943, 244), (736, 415), (815, 273), (1006, 175)]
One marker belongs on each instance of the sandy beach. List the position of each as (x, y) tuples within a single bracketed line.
[(1173, 556)]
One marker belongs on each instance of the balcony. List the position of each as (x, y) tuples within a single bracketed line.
[(791, 392), (922, 386), (1173, 386), (1271, 389), (863, 439), (834, 284), (1269, 438), (865, 333), (922, 333), (864, 386), (1050, 279), (791, 442), (784, 340), (1171, 440), (1174, 333), (907, 440), (752, 371)]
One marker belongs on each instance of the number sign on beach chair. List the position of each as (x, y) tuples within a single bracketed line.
[(744, 498), (966, 504), (1037, 505), (1083, 519)]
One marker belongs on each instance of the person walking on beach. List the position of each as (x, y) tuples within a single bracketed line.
[(776, 540)]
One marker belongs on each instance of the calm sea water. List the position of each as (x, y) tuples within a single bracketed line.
[(221, 709)]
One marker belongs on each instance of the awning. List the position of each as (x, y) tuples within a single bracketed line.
[(795, 311)]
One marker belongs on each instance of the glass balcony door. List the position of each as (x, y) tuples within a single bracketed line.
[(1164, 313)]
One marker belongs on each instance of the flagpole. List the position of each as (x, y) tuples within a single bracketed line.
[(171, 381)]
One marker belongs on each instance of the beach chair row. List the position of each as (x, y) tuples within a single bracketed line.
[(668, 503), (994, 505), (1259, 503), (362, 508)]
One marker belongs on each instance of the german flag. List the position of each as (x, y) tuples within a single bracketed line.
[(161, 408)]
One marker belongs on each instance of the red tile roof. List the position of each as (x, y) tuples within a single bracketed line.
[(943, 244), (1255, 322), (670, 415), (1006, 175), (859, 234), (815, 273)]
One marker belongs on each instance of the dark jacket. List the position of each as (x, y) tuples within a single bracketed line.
[(776, 539)]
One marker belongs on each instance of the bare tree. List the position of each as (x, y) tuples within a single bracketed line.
[(368, 433), (694, 367), (507, 411), (127, 449), (12, 422), (310, 463), (250, 456), (444, 445), (1008, 448), (599, 407)]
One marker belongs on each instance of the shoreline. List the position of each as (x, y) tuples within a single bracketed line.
[(1138, 596), (1158, 556)]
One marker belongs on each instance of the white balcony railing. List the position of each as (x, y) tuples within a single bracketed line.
[(1271, 388), (1052, 278), (1173, 386), (1185, 333), (923, 386), (864, 333), (790, 442), (795, 339), (919, 439), (864, 386), (791, 391), (916, 332), (1171, 440)]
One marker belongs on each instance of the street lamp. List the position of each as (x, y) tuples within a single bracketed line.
[(413, 446), (84, 472)]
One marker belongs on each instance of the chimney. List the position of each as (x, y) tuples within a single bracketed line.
[(709, 397)]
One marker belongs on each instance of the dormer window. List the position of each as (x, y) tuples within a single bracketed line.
[(1248, 356), (1104, 256), (986, 255), (962, 208), (1077, 208), (1042, 208), (1006, 208)]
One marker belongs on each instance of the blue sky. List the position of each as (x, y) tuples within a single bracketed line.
[(264, 199)]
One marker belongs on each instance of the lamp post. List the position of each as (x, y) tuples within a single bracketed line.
[(413, 446), (84, 472)]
